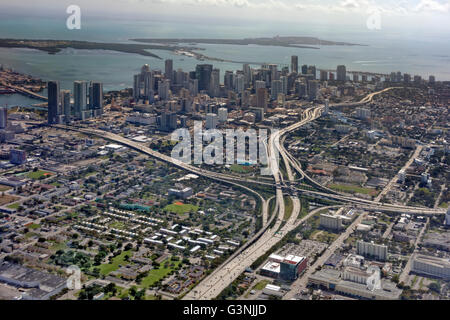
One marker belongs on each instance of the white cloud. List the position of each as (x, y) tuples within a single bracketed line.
[(350, 4), (432, 6)]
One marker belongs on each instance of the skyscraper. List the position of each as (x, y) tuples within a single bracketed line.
[(312, 70), (168, 121), (136, 86), (3, 118), (211, 121), (406, 78), (214, 87), (261, 98), (163, 89), (96, 98), (417, 79), (323, 75), (240, 83), (273, 72), (228, 80), (304, 69), (65, 105), (80, 98), (53, 101), (223, 114), (313, 88), (259, 84), (203, 75), (432, 79), (148, 86), (169, 69), (193, 86), (247, 74), (277, 87), (284, 84), (341, 73), (294, 64)]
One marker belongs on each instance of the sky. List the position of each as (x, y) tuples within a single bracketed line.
[(431, 15)]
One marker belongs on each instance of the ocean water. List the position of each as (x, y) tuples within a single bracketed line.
[(384, 51)]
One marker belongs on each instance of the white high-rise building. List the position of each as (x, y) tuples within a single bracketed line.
[(363, 113), (223, 114), (259, 85), (247, 74), (148, 86), (80, 89), (430, 265), (163, 89), (211, 121), (333, 222), (376, 251), (240, 83), (402, 176)]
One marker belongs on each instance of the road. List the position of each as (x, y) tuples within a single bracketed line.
[(395, 178), (24, 91), (225, 274), (301, 282), (405, 273)]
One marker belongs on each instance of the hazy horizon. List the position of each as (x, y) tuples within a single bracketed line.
[(421, 17)]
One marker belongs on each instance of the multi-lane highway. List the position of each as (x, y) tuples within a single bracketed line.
[(220, 278)]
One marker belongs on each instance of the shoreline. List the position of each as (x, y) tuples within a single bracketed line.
[(53, 47)]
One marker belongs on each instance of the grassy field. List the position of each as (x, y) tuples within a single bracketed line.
[(261, 285), (36, 175), (107, 268), (288, 206), (180, 208), (34, 226), (57, 245), (237, 168), (353, 189), (117, 225), (14, 206), (155, 275), (323, 236), (444, 205), (5, 199)]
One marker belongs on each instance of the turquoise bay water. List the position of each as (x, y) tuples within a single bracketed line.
[(386, 50)]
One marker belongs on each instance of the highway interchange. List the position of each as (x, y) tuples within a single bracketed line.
[(211, 286)]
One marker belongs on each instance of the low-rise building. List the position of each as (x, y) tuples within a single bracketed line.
[(432, 266)]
